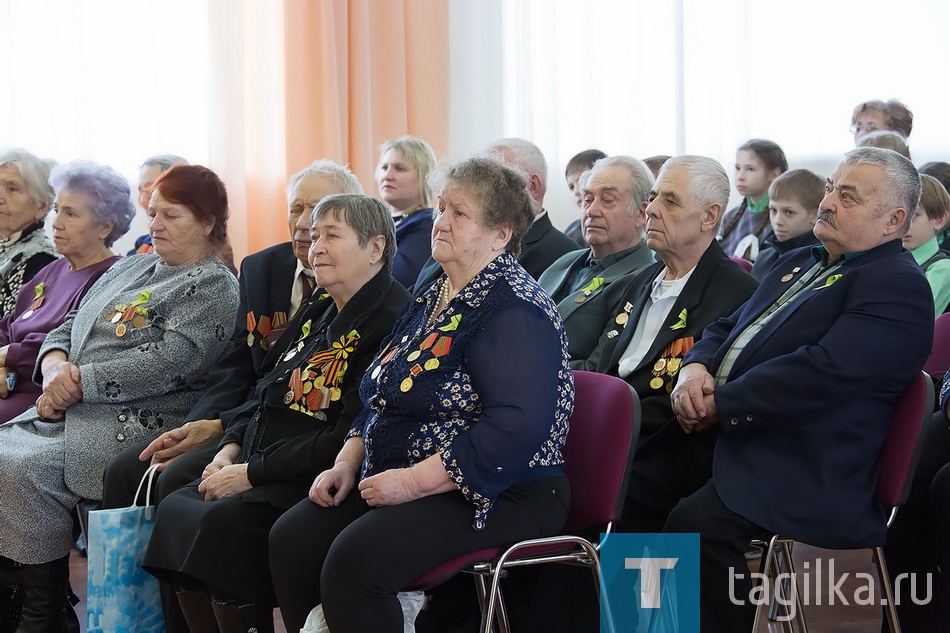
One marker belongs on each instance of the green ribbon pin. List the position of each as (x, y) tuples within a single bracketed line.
[(679, 325), (829, 281), (594, 284), (453, 323), (38, 290), (142, 299)]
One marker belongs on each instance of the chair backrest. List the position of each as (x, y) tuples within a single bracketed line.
[(939, 361), (902, 448), (599, 448), (742, 261)]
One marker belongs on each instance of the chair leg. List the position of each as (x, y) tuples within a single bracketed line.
[(885, 581), (765, 566)]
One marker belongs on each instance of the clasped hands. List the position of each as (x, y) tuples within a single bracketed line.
[(391, 487), (62, 386), (222, 477), (692, 399)]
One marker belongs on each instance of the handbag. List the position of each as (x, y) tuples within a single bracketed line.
[(121, 596)]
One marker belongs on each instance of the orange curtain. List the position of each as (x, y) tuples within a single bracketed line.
[(308, 79)]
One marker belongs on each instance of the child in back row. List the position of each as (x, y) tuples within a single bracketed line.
[(794, 198), (758, 163), (921, 240)]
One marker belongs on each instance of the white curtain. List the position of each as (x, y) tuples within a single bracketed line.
[(643, 77)]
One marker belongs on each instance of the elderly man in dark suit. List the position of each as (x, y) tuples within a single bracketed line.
[(802, 382), (586, 284), (543, 244), (662, 312)]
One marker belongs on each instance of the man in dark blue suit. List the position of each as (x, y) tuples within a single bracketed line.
[(802, 382)]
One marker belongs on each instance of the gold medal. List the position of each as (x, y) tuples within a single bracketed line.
[(413, 356), (120, 329), (656, 383), (289, 397), (405, 385), (335, 393), (307, 386), (673, 366), (264, 345), (319, 382), (432, 363), (250, 339), (787, 278), (669, 387), (581, 299), (139, 321), (622, 318), (659, 365)]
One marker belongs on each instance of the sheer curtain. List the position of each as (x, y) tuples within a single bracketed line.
[(690, 76)]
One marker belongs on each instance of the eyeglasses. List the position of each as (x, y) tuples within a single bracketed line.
[(857, 127)]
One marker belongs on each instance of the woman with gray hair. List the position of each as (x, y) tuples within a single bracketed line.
[(92, 209), (210, 539), (25, 196)]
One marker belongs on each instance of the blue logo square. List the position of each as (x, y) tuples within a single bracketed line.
[(649, 583)]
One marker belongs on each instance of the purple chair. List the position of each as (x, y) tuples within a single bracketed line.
[(597, 456), (898, 461), (939, 361), (745, 263)]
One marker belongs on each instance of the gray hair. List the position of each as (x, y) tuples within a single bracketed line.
[(35, 173), (499, 189), (641, 178), (708, 181), (164, 161), (886, 139), (110, 192), (526, 155), (367, 216), (902, 178), (420, 156), (338, 174)]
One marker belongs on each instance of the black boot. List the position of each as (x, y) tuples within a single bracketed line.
[(44, 597), (245, 617), (196, 607)]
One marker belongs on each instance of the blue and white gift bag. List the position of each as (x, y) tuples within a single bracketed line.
[(121, 596)]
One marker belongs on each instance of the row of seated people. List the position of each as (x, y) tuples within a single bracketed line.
[(447, 436)]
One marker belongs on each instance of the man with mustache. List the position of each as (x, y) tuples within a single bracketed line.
[(802, 381)]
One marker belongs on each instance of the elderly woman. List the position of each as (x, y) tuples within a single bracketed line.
[(214, 533), (25, 196), (131, 360), (91, 211), (869, 116), (458, 445), (404, 166)]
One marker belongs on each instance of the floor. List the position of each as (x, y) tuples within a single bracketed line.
[(821, 619)]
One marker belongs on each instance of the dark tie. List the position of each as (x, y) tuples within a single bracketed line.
[(308, 284)]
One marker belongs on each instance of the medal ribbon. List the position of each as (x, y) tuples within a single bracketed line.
[(594, 284), (453, 323), (332, 362), (681, 324)]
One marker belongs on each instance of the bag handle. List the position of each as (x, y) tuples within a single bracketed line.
[(150, 476)]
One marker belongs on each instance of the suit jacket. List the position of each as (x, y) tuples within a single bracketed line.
[(265, 285), (413, 246), (542, 245), (808, 402), (716, 288), (585, 313)]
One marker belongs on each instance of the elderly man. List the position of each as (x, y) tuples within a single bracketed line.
[(149, 171), (585, 283), (802, 382), (543, 244)]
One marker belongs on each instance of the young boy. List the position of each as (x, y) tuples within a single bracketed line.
[(921, 240), (793, 207), (580, 163)]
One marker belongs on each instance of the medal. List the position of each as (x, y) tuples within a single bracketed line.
[(412, 357), (432, 363), (289, 397), (335, 393), (376, 371), (116, 317), (405, 385), (788, 277), (622, 318), (659, 366), (37, 300), (250, 339), (139, 321), (656, 382), (581, 299), (27, 314), (121, 329), (673, 366), (612, 333)]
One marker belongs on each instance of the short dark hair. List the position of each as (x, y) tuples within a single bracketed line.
[(367, 216), (801, 185), (939, 170), (500, 190), (583, 161)]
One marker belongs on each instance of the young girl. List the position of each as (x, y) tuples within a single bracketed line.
[(921, 240), (758, 163)]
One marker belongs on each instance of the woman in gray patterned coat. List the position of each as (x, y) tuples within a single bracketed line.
[(127, 365)]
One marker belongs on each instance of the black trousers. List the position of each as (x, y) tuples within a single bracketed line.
[(355, 559), (724, 537)]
